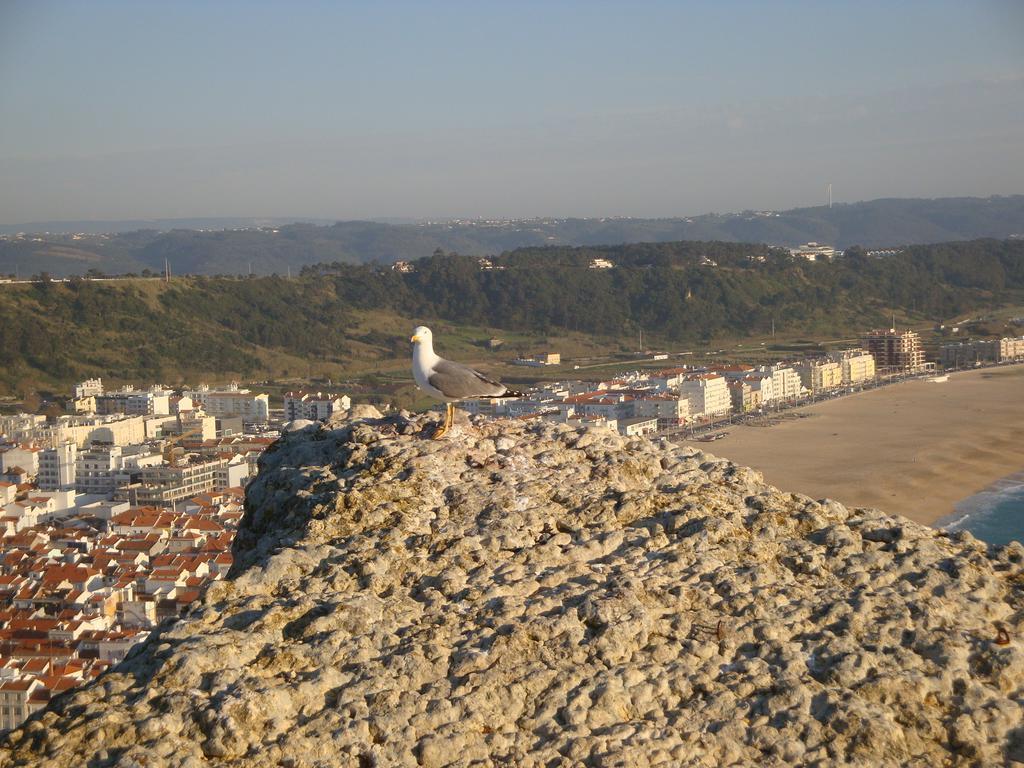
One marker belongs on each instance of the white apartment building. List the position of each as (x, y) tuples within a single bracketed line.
[(193, 425), (15, 701), (708, 394), (786, 384), (820, 375), (20, 427), (98, 470), (57, 467), (254, 409), (88, 388), (234, 474), (165, 485), (133, 402), (24, 456), (315, 406), (83, 430), (762, 383), (669, 378), (637, 426), (858, 365)]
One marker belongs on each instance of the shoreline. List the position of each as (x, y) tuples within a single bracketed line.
[(917, 449), (965, 509)]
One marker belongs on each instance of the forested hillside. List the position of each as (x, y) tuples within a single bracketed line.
[(283, 248), (53, 333)]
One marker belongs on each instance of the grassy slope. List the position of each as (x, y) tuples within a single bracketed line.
[(291, 332)]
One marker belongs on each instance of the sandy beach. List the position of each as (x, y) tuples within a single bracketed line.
[(914, 449)]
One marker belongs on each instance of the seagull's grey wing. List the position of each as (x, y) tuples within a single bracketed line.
[(459, 381)]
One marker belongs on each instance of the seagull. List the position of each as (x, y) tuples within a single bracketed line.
[(447, 380)]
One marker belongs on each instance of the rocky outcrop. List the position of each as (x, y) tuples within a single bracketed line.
[(541, 596)]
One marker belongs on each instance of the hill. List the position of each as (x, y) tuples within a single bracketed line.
[(267, 248), (335, 317), (538, 596)]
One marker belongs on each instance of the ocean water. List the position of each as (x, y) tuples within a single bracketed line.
[(996, 515)]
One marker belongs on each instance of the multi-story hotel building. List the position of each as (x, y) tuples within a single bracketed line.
[(895, 351)]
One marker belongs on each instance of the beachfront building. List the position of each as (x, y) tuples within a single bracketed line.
[(966, 354), (746, 394), (669, 409), (895, 351), (858, 365), (708, 394), (1011, 349), (821, 375), (786, 384)]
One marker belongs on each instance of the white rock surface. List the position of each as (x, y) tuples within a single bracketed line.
[(540, 596)]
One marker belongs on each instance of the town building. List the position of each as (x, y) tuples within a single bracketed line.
[(607, 404), (542, 359), (1011, 349), (707, 393), (253, 408), (315, 406), (786, 384), (57, 467), (23, 456), (132, 402), (895, 351), (20, 427), (746, 394), (669, 409), (858, 365), (88, 388), (16, 701), (820, 375), (967, 354), (98, 470), (636, 426), (813, 252), (165, 485)]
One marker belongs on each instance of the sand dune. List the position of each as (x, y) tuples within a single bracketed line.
[(915, 449)]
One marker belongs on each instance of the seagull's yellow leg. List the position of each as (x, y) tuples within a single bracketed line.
[(449, 417)]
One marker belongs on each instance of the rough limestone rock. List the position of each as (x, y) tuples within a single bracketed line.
[(540, 596)]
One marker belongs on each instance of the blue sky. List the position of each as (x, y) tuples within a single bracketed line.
[(349, 110)]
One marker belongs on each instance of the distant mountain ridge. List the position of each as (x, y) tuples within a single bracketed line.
[(269, 245)]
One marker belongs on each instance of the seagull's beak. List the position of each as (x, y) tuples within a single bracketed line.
[(414, 339)]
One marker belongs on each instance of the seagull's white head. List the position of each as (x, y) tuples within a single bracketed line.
[(421, 335)]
